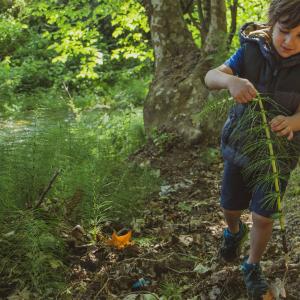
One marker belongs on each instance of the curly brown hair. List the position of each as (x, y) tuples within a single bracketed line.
[(287, 12)]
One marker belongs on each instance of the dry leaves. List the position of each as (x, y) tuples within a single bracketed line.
[(268, 296)]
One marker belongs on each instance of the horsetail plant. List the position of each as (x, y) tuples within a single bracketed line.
[(267, 158), (275, 171)]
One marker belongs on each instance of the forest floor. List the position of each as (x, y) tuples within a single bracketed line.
[(176, 241)]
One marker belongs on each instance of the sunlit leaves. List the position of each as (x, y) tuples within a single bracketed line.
[(254, 11), (74, 32), (10, 30), (131, 26)]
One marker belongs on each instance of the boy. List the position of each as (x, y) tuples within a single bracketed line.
[(268, 62)]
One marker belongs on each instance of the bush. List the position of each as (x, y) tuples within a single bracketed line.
[(31, 253), (96, 183)]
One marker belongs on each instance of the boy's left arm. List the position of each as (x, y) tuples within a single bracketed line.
[(286, 125)]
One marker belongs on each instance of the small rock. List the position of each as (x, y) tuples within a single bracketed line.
[(78, 232), (214, 293), (186, 240), (218, 276)]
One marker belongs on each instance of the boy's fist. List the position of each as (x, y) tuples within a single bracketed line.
[(242, 90), (282, 126)]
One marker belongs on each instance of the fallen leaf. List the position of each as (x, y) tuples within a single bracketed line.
[(120, 241), (201, 269), (138, 224), (219, 276), (268, 296), (144, 296), (186, 240), (214, 293), (165, 190), (9, 234), (20, 295), (277, 289), (78, 232), (283, 292), (55, 263)]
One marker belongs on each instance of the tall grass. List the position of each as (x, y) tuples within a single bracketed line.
[(96, 183)]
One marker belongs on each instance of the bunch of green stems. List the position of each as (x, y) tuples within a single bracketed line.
[(268, 156)]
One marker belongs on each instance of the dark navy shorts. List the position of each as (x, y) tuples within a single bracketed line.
[(237, 195)]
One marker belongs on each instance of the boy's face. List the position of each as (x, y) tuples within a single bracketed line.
[(286, 41)]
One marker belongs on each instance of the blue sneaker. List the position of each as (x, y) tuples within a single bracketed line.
[(254, 279), (232, 243)]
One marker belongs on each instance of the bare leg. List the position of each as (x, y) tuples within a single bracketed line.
[(260, 235), (232, 218)]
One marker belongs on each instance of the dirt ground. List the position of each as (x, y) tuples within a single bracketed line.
[(176, 241)]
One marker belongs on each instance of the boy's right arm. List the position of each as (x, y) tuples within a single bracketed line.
[(242, 90)]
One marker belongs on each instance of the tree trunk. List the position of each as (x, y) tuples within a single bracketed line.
[(216, 37), (177, 92)]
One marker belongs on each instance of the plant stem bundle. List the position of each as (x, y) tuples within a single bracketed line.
[(267, 159), (275, 171)]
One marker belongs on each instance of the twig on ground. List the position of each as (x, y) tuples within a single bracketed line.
[(180, 272), (104, 286), (147, 259), (106, 283), (224, 288), (47, 189)]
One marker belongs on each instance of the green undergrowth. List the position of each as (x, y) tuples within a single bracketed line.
[(293, 190), (123, 94), (31, 253), (96, 182), (171, 290)]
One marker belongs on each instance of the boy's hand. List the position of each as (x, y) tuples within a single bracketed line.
[(242, 90), (282, 126)]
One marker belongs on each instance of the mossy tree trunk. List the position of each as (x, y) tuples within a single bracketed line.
[(177, 92)]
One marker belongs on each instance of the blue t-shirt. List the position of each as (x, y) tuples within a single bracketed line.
[(235, 62)]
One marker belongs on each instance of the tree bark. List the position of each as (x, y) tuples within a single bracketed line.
[(177, 92), (233, 11), (216, 37)]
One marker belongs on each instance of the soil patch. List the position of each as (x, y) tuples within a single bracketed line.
[(176, 241)]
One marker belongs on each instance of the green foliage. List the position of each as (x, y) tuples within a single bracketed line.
[(254, 11), (250, 132), (11, 34), (90, 152), (72, 35), (129, 91), (162, 139), (213, 115), (73, 32), (146, 242), (31, 253), (216, 106), (171, 290), (270, 156), (96, 183), (88, 46), (294, 188), (131, 27), (210, 155), (82, 43)]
